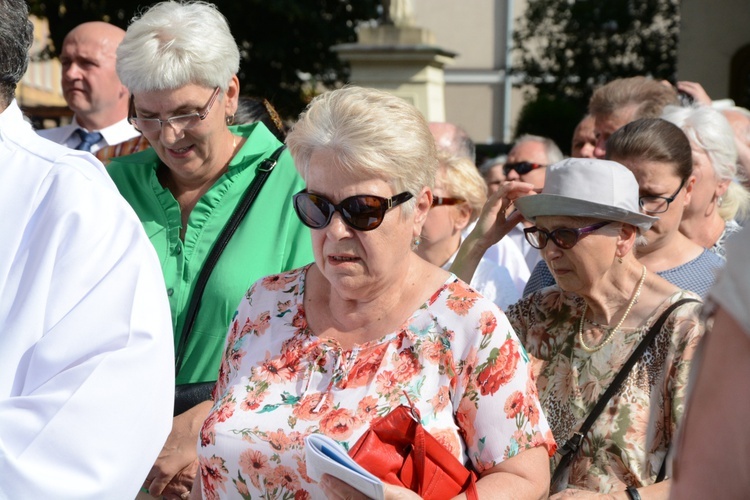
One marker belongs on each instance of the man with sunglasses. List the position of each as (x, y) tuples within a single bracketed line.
[(529, 158), (527, 162), (95, 94)]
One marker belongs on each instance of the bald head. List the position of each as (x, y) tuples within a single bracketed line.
[(109, 35), (453, 140), (89, 79)]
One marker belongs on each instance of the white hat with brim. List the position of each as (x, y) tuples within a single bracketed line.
[(583, 187)]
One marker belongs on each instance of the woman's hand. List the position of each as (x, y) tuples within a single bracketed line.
[(174, 471), (492, 226), (495, 221), (336, 489)]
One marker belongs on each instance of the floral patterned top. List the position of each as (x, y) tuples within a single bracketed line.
[(456, 357), (627, 444)]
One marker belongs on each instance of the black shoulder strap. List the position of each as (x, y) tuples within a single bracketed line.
[(262, 173), (570, 449)]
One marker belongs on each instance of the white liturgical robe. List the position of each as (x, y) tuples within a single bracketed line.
[(86, 354)]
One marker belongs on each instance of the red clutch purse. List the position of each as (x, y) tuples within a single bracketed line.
[(398, 450)]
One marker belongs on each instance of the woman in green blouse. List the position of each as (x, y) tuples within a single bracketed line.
[(179, 61)]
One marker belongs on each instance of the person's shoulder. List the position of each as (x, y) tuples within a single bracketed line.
[(462, 306), (132, 165), (709, 258), (289, 283), (544, 302), (57, 134), (40, 157)]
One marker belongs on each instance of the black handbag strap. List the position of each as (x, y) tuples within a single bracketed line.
[(570, 449), (261, 174)]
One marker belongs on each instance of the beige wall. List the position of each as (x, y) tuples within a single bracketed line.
[(712, 32), (474, 93)]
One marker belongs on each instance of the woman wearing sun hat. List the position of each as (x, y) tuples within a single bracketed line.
[(582, 331)]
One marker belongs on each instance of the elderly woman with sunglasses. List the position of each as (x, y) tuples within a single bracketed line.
[(659, 155), (179, 61), (330, 346), (582, 331)]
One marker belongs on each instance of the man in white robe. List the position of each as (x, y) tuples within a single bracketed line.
[(86, 355)]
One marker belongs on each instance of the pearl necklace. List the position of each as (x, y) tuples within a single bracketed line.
[(611, 334)]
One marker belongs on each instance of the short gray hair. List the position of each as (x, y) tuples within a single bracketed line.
[(174, 44), (551, 149), (16, 35), (372, 134)]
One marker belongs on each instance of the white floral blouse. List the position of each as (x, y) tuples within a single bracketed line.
[(456, 357), (627, 444)]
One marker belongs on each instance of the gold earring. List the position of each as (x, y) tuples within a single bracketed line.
[(619, 259), (230, 120)]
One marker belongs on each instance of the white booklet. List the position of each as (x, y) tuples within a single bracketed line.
[(325, 456)]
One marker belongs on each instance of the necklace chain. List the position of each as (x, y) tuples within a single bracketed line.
[(611, 334)]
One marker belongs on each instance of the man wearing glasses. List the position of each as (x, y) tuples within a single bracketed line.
[(95, 94), (527, 162)]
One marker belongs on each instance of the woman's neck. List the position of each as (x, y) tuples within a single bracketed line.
[(360, 317), (705, 231), (669, 252), (607, 300), (188, 190), (439, 253)]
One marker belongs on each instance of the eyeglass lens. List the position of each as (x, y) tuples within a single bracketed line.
[(521, 167), (563, 237), (178, 123), (445, 200), (658, 204), (363, 212)]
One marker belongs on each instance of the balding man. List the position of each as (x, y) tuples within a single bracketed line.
[(453, 140), (95, 94)]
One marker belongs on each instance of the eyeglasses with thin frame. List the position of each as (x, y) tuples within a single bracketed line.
[(445, 200), (178, 123), (363, 212), (521, 167), (564, 237), (658, 204)]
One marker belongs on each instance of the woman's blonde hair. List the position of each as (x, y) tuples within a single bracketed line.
[(371, 133), (461, 179)]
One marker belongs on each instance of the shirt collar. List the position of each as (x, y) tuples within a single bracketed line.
[(113, 134)]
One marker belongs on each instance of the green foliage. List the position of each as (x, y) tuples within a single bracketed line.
[(549, 117), (284, 44), (567, 48)]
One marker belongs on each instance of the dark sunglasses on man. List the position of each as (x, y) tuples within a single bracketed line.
[(521, 167), (362, 212)]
